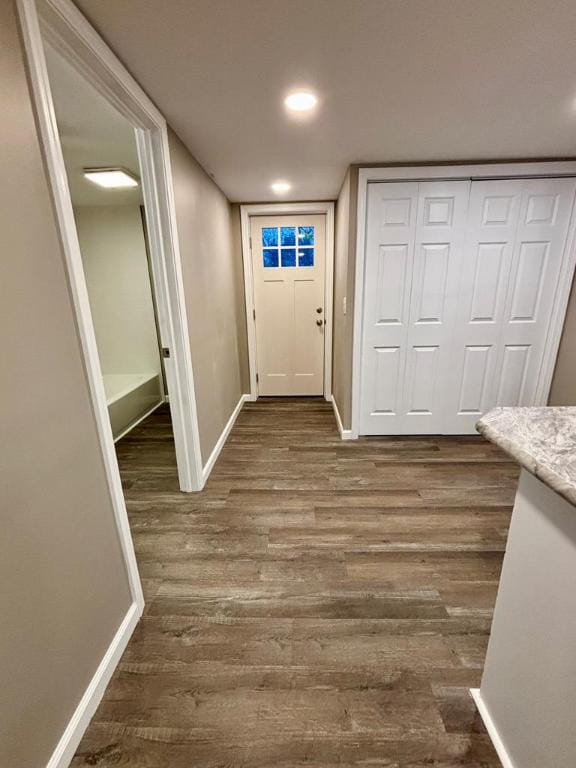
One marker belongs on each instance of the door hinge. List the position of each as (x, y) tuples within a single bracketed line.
[(250, 242), (165, 352), (254, 314), (257, 378)]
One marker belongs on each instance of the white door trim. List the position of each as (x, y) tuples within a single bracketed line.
[(62, 23), (552, 169), (284, 209)]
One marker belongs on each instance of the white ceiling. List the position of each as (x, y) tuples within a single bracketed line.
[(399, 80), (93, 135)]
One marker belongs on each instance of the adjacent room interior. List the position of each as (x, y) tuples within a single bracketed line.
[(97, 142), (289, 427)]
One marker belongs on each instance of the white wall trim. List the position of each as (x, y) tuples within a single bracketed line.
[(62, 24), (345, 434), (495, 738), (530, 170), (536, 169), (223, 437), (286, 209), (66, 747)]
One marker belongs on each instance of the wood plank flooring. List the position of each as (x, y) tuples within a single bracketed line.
[(321, 603)]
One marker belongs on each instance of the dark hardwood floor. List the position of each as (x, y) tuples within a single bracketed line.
[(321, 603)]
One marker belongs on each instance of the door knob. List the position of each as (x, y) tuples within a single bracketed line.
[(319, 322), (319, 310)]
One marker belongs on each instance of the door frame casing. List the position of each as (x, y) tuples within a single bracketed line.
[(470, 172), (288, 209), (61, 24)]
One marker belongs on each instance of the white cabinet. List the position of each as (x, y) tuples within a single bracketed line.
[(460, 280)]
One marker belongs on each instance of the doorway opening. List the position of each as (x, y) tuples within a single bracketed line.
[(109, 213)]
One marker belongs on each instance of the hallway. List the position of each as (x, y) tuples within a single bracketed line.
[(320, 603)]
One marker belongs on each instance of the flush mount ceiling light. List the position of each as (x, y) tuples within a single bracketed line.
[(280, 187), (300, 101), (111, 178)]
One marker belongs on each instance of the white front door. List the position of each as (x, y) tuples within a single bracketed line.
[(288, 262), (415, 236)]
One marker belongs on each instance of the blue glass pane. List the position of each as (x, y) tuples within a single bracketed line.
[(269, 237), (270, 257), (288, 235), (288, 257), (305, 257), (305, 235)]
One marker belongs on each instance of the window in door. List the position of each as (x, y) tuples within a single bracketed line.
[(288, 246)]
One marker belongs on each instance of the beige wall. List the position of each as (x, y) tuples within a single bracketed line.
[(62, 577), (563, 391), (116, 269), (209, 235), (344, 273), (240, 298)]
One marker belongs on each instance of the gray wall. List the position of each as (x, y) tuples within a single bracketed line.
[(62, 577), (563, 391), (344, 268), (209, 235)]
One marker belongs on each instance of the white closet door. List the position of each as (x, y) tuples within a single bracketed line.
[(413, 251), (516, 234)]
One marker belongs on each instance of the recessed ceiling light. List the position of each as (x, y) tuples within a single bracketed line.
[(300, 101), (111, 178), (280, 187)]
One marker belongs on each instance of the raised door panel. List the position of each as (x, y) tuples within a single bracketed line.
[(528, 282), (512, 379), (307, 357), (431, 288), (488, 283), (473, 393), (386, 381), (395, 210), (391, 285), (274, 355), (421, 381)]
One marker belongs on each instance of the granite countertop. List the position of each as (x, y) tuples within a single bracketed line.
[(542, 439)]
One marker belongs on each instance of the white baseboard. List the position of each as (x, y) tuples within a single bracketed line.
[(222, 439), (501, 750), (68, 744), (345, 434)]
